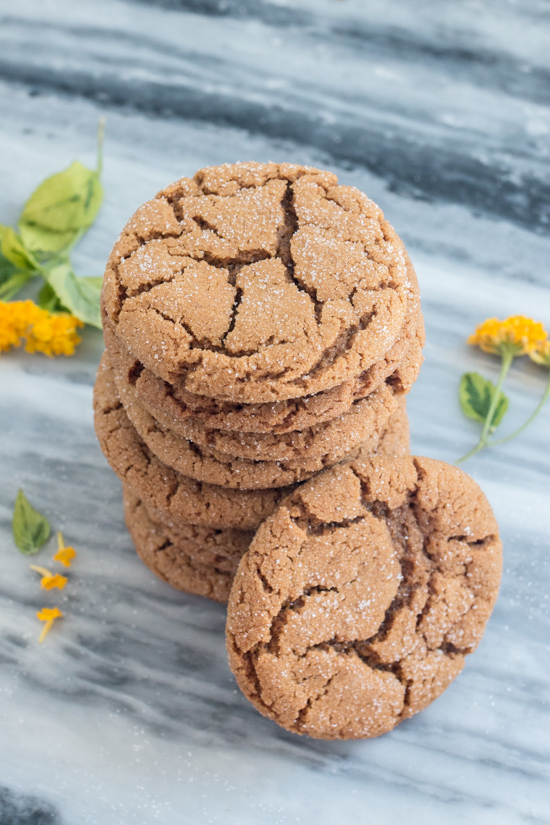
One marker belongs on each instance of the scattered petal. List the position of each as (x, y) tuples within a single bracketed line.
[(64, 555), (50, 580), (48, 615)]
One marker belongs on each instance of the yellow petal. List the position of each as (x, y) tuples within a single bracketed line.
[(48, 615), (54, 580), (65, 556)]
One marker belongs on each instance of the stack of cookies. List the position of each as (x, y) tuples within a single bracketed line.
[(262, 323), (262, 328)]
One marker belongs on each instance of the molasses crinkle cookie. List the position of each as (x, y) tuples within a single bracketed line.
[(185, 412), (259, 282), (181, 497), (361, 595)]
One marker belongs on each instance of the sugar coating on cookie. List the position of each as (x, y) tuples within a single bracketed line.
[(259, 282), (299, 458), (160, 486), (187, 413), (361, 595), (183, 498), (194, 559)]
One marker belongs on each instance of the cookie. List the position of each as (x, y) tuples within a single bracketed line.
[(197, 559), (299, 459), (395, 441), (178, 496), (177, 562), (259, 282), (161, 487), (361, 595), (185, 412), (216, 547)]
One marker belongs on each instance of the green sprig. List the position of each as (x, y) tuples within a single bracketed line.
[(484, 401), (54, 219)]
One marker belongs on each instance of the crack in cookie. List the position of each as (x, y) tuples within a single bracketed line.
[(381, 575), (307, 286)]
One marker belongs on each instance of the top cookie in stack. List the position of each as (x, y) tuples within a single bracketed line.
[(262, 299)]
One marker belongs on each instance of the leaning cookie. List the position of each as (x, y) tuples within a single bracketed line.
[(361, 595), (259, 282)]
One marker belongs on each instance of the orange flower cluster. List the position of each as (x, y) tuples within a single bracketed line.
[(52, 333), (516, 335)]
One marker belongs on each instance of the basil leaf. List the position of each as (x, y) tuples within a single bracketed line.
[(476, 395), (13, 249), (30, 528), (78, 295), (62, 208)]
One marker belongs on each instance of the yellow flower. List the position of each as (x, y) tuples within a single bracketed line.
[(50, 580), (516, 335), (54, 334), (64, 555), (15, 319), (541, 355), (47, 332), (48, 615)]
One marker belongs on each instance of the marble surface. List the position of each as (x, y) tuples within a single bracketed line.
[(128, 713)]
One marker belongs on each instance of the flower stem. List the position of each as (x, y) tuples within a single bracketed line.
[(507, 358), (531, 418)]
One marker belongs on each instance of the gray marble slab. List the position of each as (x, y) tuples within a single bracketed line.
[(440, 112)]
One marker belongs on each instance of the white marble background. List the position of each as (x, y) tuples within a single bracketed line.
[(128, 713)]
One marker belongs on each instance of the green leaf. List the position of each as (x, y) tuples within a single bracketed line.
[(78, 295), (13, 249), (47, 299), (30, 528), (10, 287), (476, 395), (7, 269), (12, 278), (62, 208)]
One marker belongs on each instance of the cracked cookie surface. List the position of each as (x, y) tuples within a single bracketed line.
[(361, 595), (198, 560), (210, 421), (161, 487), (257, 283), (299, 458), (181, 497)]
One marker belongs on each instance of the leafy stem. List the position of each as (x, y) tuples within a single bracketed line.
[(54, 219), (531, 418), (489, 424)]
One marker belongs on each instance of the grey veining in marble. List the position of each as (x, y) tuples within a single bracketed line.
[(441, 113)]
